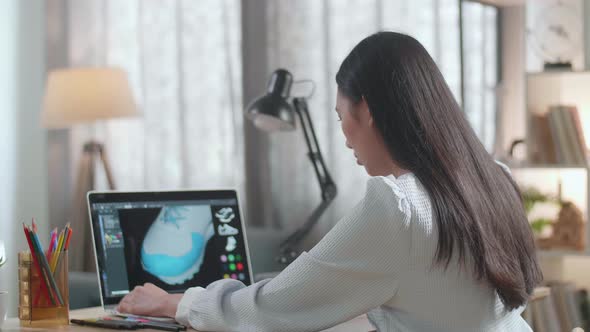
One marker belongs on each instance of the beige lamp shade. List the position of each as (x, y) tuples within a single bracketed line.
[(83, 95)]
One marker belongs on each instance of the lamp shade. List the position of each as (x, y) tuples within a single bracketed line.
[(273, 112), (84, 95)]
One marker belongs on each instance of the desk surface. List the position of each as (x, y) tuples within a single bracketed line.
[(13, 324)]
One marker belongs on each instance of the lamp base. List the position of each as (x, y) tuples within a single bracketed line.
[(287, 257), (286, 252)]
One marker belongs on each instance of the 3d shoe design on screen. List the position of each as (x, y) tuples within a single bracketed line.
[(174, 246), (226, 230), (225, 214), (231, 244)]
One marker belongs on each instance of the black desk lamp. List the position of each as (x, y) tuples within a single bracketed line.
[(274, 112)]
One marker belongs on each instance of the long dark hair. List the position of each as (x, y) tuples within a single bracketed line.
[(477, 205)]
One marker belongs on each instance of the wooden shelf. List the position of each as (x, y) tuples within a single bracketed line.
[(557, 73), (540, 293), (560, 253), (545, 166)]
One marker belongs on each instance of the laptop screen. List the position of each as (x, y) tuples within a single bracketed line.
[(175, 240)]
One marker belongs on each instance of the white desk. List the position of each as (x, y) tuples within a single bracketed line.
[(13, 324)]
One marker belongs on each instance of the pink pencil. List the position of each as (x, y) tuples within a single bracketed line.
[(52, 242)]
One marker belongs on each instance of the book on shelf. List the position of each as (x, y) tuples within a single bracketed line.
[(565, 299), (580, 139), (540, 312), (576, 147), (560, 138), (543, 316), (544, 148), (556, 137), (558, 306), (584, 302)]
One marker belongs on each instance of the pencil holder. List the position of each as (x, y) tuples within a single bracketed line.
[(43, 291)]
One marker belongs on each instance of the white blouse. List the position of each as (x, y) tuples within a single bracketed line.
[(377, 260)]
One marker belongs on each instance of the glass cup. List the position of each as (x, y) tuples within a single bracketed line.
[(3, 309), (38, 304)]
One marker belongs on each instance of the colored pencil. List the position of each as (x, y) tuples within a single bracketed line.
[(63, 247), (47, 270), (43, 284), (52, 243), (38, 252), (56, 252), (68, 238)]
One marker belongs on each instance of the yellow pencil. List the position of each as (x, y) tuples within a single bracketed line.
[(57, 251)]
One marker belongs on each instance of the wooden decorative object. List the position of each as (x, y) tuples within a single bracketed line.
[(568, 230)]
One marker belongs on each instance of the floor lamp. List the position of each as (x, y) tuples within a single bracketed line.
[(86, 95)]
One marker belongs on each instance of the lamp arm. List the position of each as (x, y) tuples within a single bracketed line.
[(327, 185)]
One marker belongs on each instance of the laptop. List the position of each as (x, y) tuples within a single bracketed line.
[(173, 239)]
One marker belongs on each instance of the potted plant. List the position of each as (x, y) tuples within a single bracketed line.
[(3, 294), (531, 197)]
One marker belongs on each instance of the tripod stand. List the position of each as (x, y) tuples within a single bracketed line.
[(82, 258)]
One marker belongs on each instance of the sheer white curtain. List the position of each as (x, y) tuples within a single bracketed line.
[(480, 66), (184, 63)]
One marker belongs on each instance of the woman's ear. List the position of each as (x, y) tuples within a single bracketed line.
[(365, 113)]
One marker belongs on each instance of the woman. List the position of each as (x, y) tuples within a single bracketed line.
[(440, 241)]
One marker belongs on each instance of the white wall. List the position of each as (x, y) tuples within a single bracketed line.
[(7, 130), (23, 179), (587, 32), (8, 104)]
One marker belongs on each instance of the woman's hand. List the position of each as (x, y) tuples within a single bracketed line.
[(149, 300)]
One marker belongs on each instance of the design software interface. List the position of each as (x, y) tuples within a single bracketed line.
[(172, 244)]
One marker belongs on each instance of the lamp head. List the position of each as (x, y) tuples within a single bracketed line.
[(273, 112)]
